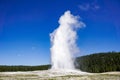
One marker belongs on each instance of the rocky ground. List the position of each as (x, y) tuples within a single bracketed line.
[(58, 75)]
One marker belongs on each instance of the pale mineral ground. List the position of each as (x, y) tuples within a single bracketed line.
[(59, 75)]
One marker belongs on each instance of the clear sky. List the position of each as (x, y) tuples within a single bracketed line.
[(25, 26)]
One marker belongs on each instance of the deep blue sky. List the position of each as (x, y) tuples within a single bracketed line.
[(25, 26)]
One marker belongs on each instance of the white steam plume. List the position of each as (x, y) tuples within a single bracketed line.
[(63, 41)]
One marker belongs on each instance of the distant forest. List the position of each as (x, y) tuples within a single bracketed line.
[(99, 62), (94, 63)]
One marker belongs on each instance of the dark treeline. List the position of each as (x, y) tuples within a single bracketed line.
[(99, 62), (4, 68), (95, 63)]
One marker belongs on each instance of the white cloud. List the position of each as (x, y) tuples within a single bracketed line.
[(89, 6), (84, 7)]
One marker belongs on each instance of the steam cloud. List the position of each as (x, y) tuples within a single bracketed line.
[(63, 41)]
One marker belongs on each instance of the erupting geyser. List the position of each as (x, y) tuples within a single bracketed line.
[(63, 41)]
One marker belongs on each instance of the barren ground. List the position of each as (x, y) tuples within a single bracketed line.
[(58, 75)]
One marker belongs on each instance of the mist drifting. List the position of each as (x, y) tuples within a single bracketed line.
[(63, 40)]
